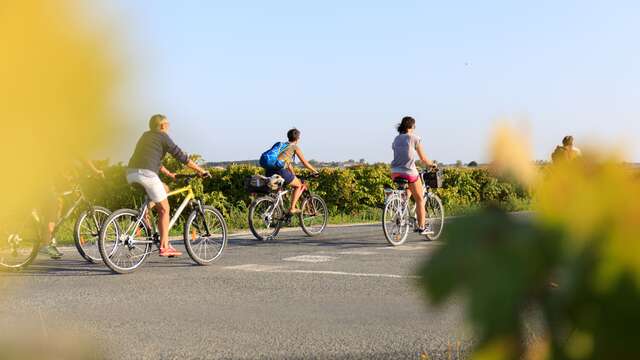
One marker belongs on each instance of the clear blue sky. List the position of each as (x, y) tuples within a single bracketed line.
[(234, 76)]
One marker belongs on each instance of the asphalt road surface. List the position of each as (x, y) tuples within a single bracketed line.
[(342, 295)]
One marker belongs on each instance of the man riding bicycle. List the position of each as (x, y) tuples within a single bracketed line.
[(279, 160), (143, 169)]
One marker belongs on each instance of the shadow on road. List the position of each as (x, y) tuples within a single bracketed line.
[(63, 267), (348, 241), (77, 267)]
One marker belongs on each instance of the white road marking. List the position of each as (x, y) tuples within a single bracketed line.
[(280, 270), (310, 258), (253, 267), (320, 272), (357, 252)]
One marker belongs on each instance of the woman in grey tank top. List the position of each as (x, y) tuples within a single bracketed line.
[(405, 148)]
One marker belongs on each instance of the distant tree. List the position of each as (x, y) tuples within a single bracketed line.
[(351, 161), (472, 164), (459, 163), (362, 161)]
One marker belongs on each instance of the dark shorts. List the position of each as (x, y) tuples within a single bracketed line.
[(286, 174)]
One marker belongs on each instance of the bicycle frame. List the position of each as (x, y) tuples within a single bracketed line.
[(81, 199), (279, 200), (72, 208), (190, 196)]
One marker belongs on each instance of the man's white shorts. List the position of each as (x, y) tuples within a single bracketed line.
[(150, 181)]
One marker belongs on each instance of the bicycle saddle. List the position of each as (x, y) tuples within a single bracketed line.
[(402, 183)]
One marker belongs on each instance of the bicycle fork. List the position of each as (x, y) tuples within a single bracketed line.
[(198, 207)]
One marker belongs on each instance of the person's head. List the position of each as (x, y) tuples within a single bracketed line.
[(567, 141), (293, 135), (406, 125), (159, 122)]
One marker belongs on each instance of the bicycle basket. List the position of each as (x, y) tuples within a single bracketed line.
[(433, 179), (257, 184)]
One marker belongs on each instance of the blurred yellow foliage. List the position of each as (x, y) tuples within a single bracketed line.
[(597, 202), (510, 152), (55, 96), (500, 349)]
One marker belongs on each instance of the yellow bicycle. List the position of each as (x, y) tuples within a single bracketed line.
[(128, 237)]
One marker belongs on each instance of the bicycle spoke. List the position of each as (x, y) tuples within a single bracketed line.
[(204, 247), (126, 249)]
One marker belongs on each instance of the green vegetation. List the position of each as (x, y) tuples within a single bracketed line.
[(576, 265), (353, 195)]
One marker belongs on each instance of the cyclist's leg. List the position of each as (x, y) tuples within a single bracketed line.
[(418, 196), (162, 208), (298, 187), (50, 213), (157, 193)]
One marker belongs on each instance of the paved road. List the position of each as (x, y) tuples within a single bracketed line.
[(342, 295)]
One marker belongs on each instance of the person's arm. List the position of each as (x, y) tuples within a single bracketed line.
[(423, 156), (304, 161), (168, 173), (182, 157), (93, 168), (192, 165)]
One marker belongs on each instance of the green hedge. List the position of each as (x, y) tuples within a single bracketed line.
[(347, 191)]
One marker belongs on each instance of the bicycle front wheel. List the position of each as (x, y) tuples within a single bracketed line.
[(265, 218), (435, 215), (19, 244), (395, 221), (205, 235), (87, 231), (124, 242), (314, 215)]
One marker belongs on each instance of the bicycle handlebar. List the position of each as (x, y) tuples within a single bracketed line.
[(430, 169)]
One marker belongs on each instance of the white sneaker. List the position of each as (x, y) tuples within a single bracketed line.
[(427, 231)]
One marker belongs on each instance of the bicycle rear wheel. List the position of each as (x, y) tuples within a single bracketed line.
[(19, 244), (87, 231), (204, 246), (435, 215), (124, 241), (265, 218), (395, 221), (314, 215)]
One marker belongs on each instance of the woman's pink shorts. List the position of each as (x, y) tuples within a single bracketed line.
[(410, 178)]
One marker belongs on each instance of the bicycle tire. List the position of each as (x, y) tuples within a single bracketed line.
[(315, 200), (391, 215), (435, 215), (105, 235), (30, 230), (275, 225), (80, 241), (190, 236)]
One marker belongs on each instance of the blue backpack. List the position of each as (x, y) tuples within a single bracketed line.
[(269, 159)]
